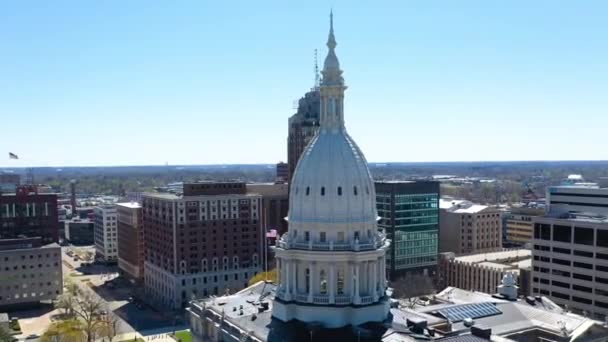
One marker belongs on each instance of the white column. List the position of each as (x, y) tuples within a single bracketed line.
[(294, 284), (287, 281), (332, 283), (311, 280), (33, 209), (356, 273), (375, 280)]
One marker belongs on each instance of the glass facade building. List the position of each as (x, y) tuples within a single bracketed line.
[(409, 214)]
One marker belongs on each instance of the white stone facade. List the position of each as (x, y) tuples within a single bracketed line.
[(106, 233), (331, 263)]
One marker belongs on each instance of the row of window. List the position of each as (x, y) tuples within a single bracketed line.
[(26, 295), (561, 233)]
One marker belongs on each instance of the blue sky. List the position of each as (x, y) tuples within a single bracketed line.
[(208, 82)]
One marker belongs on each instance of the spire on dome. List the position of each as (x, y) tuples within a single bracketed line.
[(331, 40), (332, 74)]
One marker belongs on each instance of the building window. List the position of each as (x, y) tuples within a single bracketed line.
[(355, 190), (339, 191), (323, 278), (308, 280), (562, 233), (340, 236), (340, 284), (322, 191), (583, 236), (306, 236), (322, 236), (307, 190)]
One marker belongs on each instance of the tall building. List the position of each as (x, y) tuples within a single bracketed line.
[(570, 262), (130, 239), (409, 214), (519, 225), (205, 242), (331, 263), (282, 173), (467, 228), (27, 213), (275, 204), (106, 234), (30, 272), (303, 126)]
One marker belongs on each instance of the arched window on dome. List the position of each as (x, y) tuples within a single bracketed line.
[(322, 191), (339, 191), (307, 190), (323, 279), (355, 190), (367, 190)]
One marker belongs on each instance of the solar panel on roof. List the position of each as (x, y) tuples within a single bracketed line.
[(476, 310)]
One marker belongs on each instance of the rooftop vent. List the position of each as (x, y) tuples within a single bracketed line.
[(482, 332), (468, 322)]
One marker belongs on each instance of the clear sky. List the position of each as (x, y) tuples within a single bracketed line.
[(210, 82)]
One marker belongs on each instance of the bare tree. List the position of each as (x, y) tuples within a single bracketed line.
[(108, 325), (88, 309), (412, 285)]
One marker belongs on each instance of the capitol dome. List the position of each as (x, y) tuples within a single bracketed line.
[(332, 182), (331, 264)]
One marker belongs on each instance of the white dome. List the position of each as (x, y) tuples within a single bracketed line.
[(332, 183)]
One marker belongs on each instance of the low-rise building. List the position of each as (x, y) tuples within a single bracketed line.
[(29, 271), (453, 315), (130, 240), (467, 228), (80, 232), (106, 233), (484, 271), (519, 225)]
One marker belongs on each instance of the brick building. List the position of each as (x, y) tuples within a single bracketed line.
[(27, 213), (130, 239), (207, 241)]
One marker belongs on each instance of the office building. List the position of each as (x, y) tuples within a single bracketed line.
[(207, 241), (80, 232), (409, 214), (282, 173), (570, 262), (303, 126), (484, 271), (518, 223), (130, 240), (106, 235), (30, 272), (27, 213), (275, 204), (8, 182), (467, 228)]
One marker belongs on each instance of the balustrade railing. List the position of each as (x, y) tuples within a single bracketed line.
[(367, 299), (330, 246), (342, 299)]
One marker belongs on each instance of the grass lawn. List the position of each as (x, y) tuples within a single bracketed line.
[(183, 336)]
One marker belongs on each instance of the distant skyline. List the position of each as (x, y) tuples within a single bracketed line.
[(146, 83)]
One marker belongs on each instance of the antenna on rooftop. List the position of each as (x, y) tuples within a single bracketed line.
[(316, 70)]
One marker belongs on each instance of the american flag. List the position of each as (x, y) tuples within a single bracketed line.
[(11, 155)]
